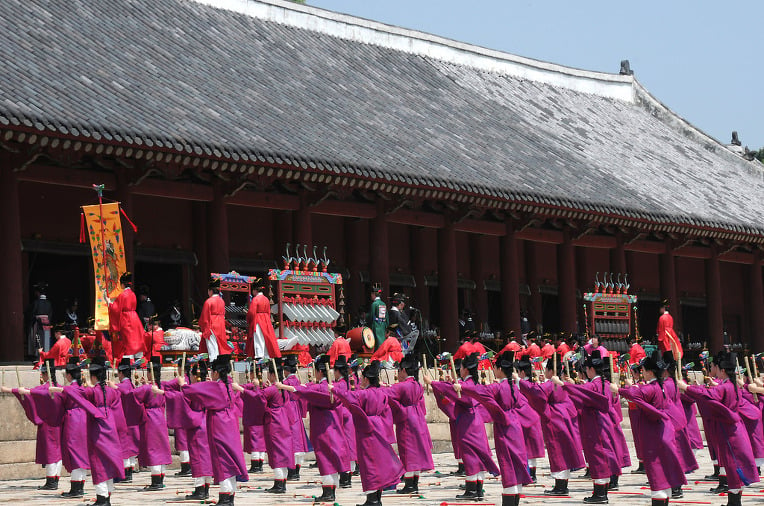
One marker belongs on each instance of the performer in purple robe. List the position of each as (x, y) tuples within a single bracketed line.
[(593, 400), (342, 380), (129, 421), (104, 447), (278, 433), (181, 436), (297, 410), (616, 415), (501, 401), (529, 419), (154, 449), (635, 369), (736, 461), (559, 426), (48, 447), (412, 435), (253, 432), (691, 414), (190, 418), (661, 460), (226, 454), (62, 411), (470, 429), (329, 443), (379, 465), (750, 413)]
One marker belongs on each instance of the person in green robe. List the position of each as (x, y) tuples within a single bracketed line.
[(377, 318)]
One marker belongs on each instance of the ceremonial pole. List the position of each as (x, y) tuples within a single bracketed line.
[(453, 370)]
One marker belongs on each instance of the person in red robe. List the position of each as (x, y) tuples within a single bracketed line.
[(390, 350), (340, 347), (59, 352), (154, 340), (636, 352), (562, 346), (512, 345), (548, 350), (212, 323), (125, 326), (261, 338), (667, 338)]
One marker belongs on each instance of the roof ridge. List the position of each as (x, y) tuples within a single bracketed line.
[(348, 27)]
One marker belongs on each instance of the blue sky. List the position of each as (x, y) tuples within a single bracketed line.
[(703, 59)]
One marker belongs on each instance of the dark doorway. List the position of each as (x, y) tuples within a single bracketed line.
[(695, 322), (165, 283), (550, 305), (647, 311), (68, 277)]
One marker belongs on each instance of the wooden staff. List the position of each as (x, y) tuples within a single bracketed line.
[(18, 377), (567, 366), (679, 369), (329, 379), (554, 365), (275, 369), (183, 365), (750, 378), (453, 370), (737, 368), (755, 367), (425, 372), (315, 376), (615, 376)]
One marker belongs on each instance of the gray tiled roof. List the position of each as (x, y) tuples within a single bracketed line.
[(218, 83)]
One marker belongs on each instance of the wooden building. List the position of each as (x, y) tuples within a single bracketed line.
[(467, 177)]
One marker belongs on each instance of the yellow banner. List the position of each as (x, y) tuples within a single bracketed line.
[(105, 233)]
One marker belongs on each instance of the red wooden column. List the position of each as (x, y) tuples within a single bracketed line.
[(201, 269), (714, 304), (510, 281), (566, 276), (354, 292), (668, 285), (756, 304), (217, 225), (379, 250), (125, 197), (419, 251), (535, 307), (618, 257), (447, 286), (13, 343), (303, 226), (480, 297)]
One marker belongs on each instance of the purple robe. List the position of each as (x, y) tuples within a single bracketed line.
[(73, 419), (329, 443), (378, 464), (104, 447), (503, 403), (593, 400), (276, 424), (532, 432), (616, 415), (134, 413), (413, 436), (469, 427), (675, 412), (559, 424), (691, 414), (659, 453), (154, 449), (252, 423), (347, 423), (190, 419), (751, 415), (48, 448), (297, 411), (223, 438), (636, 434), (733, 446)]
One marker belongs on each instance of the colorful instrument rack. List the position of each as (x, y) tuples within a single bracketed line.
[(610, 314)]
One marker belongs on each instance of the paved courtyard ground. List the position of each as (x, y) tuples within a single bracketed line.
[(436, 488)]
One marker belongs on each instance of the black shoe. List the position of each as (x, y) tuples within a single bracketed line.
[(185, 469), (279, 487), (509, 500), (51, 483), (372, 499), (470, 491), (357, 472), (128, 475), (715, 476), (409, 487), (560, 489), (640, 469), (532, 471), (599, 496), (346, 480), (613, 485), (722, 486), (676, 493), (225, 498), (660, 502), (157, 483), (77, 490), (734, 499), (459, 470), (198, 495), (479, 490), (102, 500), (293, 474), (256, 467), (327, 495), (587, 474)]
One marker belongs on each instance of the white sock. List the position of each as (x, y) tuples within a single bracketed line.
[(228, 486), (513, 490), (79, 474), (156, 470), (660, 494), (602, 481), (329, 480), (199, 482), (561, 475), (280, 473), (102, 488), (53, 470), (185, 458), (299, 457)]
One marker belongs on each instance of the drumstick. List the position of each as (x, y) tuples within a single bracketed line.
[(453, 370), (755, 367), (679, 369)]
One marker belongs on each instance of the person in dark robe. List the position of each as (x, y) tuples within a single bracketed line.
[(145, 308), (39, 318)]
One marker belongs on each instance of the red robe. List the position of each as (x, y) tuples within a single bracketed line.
[(667, 338), (125, 326), (212, 321), (511, 346), (636, 353), (340, 346), (548, 351), (390, 349), (563, 349), (158, 339), (59, 352), (259, 313)]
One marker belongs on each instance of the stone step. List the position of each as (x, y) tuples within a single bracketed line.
[(17, 452)]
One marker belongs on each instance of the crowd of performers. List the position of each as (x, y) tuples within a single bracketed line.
[(568, 410)]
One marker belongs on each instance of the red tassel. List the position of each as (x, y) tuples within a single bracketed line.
[(135, 229), (83, 234)]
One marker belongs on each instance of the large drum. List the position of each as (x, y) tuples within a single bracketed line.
[(360, 337)]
